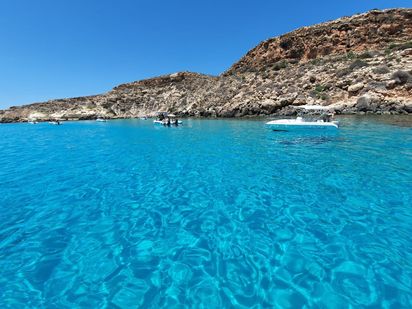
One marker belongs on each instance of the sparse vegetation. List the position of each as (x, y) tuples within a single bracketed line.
[(399, 46), (401, 77), (319, 92), (297, 53), (357, 64), (390, 57), (350, 55), (282, 64), (324, 96), (315, 61), (365, 55), (382, 69), (343, 72), (319, 88)]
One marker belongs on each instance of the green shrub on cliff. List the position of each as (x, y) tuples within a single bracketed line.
[(401, 77), (401, 46), (282, 64), (319, 88), (343, 72), (350, 55), (365, 55), (357, 64), (398, 46), (382, 69), (320, 92)]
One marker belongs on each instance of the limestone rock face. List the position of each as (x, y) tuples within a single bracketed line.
[(374, 30), (358, 64), (367, 103), (355, 88)]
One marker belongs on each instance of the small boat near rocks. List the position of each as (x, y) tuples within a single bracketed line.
[(323, 122), (101, 120), (299, 123), (165, 123), (166, 119)]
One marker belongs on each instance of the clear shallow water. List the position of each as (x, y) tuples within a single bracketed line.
[(218, 213)]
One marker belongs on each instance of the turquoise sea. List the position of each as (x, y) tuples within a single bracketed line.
[(213, 214)]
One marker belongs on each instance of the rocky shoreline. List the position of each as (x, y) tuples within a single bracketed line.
[(354, 65)]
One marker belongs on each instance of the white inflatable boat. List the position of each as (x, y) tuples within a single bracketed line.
[(299, 123)]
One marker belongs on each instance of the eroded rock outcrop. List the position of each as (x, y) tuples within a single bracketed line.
[(372, 31), (359, 64)]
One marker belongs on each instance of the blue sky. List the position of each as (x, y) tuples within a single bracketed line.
[(64, 48)]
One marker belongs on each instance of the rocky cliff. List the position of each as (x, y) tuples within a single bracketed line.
[(372, 31), (358, 64)]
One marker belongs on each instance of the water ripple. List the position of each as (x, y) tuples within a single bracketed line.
[(212, 214)]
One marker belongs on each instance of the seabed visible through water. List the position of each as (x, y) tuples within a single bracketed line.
[(212, 214)]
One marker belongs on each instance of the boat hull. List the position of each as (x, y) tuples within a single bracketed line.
[(159, 122), (293, 125)]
